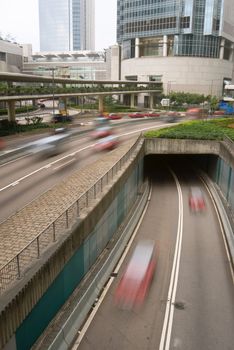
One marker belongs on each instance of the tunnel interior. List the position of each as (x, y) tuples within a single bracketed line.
[(187, 167)]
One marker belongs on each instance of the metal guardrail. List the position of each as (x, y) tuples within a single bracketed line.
[(15, 268)]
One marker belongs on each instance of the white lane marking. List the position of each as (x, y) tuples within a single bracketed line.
[(168, 318), (69, 155), (84, 329), (64, 164), (42, 168), (13, 160)]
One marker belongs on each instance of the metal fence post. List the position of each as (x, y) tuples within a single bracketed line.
[(38, 248), (67, 222), (77, 208), (18, 265), (54, 238), (87, 199)]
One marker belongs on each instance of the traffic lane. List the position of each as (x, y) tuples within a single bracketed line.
[(204, 318), (21, 193), (115, 328), (79, 125), (14, 170)]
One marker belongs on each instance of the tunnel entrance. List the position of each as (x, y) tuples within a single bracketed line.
[(183, 165)]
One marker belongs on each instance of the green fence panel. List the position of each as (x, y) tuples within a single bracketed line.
[(231, 190), (224, 177), (51, 302)]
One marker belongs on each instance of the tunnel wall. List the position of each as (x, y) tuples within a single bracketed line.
[(49, 288), (222, 174), (80, 263)]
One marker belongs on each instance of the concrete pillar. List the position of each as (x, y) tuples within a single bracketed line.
[(151, 101), (221, 50), (137, 49), (231, 53), (11, 110), (132, 104), (165, 45), (101, 104)]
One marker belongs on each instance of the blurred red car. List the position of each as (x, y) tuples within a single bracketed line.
[(101, 132), (136, 115), (219, 112), (114, 116), (135, 282), (196, 200), (152, 114), (107, 143)]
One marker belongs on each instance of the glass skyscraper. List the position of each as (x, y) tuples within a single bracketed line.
[(66, 25), (198, 28), (186, 44)]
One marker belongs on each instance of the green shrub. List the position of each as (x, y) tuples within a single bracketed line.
[(197, 130)]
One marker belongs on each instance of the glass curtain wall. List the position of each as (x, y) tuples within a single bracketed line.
[(192, 27)]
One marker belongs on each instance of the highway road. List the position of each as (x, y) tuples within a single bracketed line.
[(190, 304), (24, 179)]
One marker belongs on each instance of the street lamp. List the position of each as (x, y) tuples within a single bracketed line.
[(169, 82), (52, 69)]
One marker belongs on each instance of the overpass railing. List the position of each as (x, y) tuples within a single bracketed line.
[(15, 268)]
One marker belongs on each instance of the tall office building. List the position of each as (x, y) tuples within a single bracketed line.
[(185, 42), (66, 25)]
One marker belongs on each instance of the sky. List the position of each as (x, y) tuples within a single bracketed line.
[(19, 20)]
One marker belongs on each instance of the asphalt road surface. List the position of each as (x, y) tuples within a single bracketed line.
[(26, 178), (201, 302)]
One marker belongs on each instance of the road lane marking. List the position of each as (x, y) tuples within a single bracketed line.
[(13, 160), (168, 318), (71, 154), (64, 164)]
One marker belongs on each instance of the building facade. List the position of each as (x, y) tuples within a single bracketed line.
[(67, 25), (187, 44), (87, 65), (12, 56)]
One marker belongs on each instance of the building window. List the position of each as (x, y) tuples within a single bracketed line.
[(156, 78), (3, 56), (151, 46), (131, 77), (185, 22)]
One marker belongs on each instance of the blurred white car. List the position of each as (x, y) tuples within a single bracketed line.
[(50, 145)]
